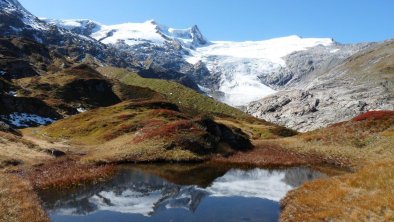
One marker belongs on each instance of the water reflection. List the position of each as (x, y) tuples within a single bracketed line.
[(138, 193)]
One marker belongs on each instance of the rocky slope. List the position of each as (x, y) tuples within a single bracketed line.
[(361, 83)]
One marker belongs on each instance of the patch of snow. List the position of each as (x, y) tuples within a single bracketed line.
[(204, 89), (26, 120), (2, 73), (12, 93), (16, 29), (70, 24), (81, 110), (130, 33), (334, 50)]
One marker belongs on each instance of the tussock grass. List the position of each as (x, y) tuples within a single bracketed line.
[(18, 202)]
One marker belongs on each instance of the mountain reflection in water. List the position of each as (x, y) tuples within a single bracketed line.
[(138, 193)]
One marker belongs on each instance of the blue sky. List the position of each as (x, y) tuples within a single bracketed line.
[(344, 20)]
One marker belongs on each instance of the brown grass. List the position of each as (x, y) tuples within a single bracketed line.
[(366, 195), (18, 202), (268, 154), (66, 172), (15, 150), (367, 144), (368, 138)]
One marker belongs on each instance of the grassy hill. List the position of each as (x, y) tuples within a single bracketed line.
[(149, 130), (187, 99)]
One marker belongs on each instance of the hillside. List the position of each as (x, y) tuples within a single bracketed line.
[(193, 103), (361, 83), (35, 100), (365, 143), (188, 99)]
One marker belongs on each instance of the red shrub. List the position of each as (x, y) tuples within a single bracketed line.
[(374, 115), (125, 117)]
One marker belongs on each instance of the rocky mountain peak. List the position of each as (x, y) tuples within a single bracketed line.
[(197, 36), (15, 20), (10, 4)]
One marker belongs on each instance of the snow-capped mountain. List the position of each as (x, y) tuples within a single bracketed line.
[(132, 34), (236, 67)]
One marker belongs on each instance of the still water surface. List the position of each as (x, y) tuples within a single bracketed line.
[(179, 193)]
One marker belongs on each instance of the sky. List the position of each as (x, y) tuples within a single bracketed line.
[(346, 21)]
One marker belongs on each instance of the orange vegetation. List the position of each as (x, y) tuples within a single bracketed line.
[(366, 195)]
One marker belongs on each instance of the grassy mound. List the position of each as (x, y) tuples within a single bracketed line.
[(150, 130)]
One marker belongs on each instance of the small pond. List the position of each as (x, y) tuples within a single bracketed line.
[(179, 193)]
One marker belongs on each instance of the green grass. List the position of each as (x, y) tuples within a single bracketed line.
[(187, 99)]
